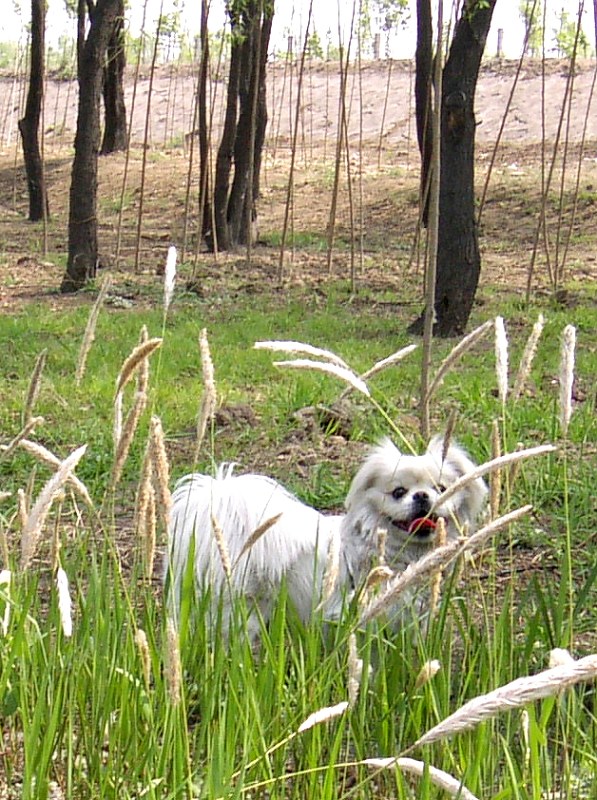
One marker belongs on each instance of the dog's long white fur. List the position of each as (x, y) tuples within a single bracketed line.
[(392, 491)]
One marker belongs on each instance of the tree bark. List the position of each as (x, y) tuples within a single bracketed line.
[(458, 255), (244, 124), (82, 225), (30, 123), (115, 129), (423, 92)]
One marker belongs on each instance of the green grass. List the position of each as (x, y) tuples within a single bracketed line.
[(79, 710)]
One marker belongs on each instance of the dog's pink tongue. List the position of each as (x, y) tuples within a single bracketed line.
[(420, 524)]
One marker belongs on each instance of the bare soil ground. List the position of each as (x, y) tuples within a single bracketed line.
[(383, 174)]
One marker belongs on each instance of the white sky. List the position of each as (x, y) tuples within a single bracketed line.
[(291, 17)]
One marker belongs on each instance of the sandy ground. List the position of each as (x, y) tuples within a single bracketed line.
[(386, 89)]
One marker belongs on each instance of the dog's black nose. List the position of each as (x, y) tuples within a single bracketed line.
[(421, 503)]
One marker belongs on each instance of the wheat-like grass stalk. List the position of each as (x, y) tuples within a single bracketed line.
[(209, 396), (173, 667), (456, 353), (527, 358), (259, 531), (22, 509), (355, 671), (47, 457), (501, 359), (39, 512), (132, 362), (7, 449), (144, 655), (297, 348), (222, 546), (5, 580), (427, 672), (89, 334), (146, 530), (127, 435), (64, 602), (567, 376), (322, 715), (516, 694), (169, 277), (161, 470), (346, 375), (379, 366), (490, 466), (437, 776), (439, 557), (34, 386), (332, 568), (437, 576)]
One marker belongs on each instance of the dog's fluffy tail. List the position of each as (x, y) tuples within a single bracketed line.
[(239, 505)]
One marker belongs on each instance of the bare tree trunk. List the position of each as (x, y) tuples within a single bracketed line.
[(245, 122), (30, 123), (115, 130), (458, 255), (83, 254), (423, 92)]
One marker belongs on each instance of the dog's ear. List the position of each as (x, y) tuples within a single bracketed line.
[(382, 459)]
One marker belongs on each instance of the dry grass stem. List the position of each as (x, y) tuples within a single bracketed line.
[(379, 366), (161, 470), (34, 386), (332, 568), (4, 554), (490, 466), (323, 715), (37, 516), (222, 546), (527, 358), (449, 433), (8, 449), (501, 359), (64, 603), (567, 376), (45, 456), (169, 277), (495, 477), (89, 335), (304, 349), (355, 671), (459, 350), (173, 667), (209, 397), (437, 776), (132, 362), (515, 694), (344, 374), (255, 536)]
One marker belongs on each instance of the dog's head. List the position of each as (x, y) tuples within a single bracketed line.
[(399, 492)]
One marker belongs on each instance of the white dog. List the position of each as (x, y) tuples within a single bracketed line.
[(393, 492)]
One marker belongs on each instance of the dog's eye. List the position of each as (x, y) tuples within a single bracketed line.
[(399, 492), (441, 488)]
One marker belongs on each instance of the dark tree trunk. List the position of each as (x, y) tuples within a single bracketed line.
[(204, 184), (82, 224), (30, 123), (244, 127), (115, 129), (423, 93), (458, 256)]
